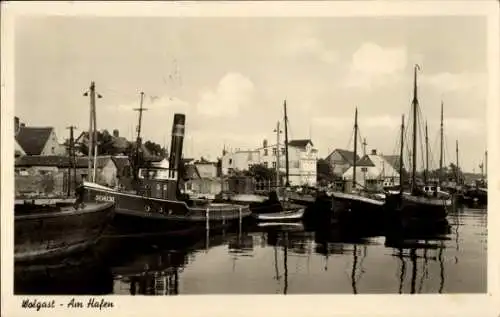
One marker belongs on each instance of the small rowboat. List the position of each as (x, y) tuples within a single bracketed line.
[(286, 215)]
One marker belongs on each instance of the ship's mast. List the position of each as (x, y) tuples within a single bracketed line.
[(287, 168), (426, 174), (414, 153), (138, 142), (441, 147), (355, 147), (401, 150)]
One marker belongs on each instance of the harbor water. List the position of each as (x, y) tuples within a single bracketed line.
[(282, 260)]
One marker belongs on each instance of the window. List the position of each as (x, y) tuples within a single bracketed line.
[(266, 164), (53, 150), (230, 161), (274, 164), (364, 169), (265, 152), (274, 151), (283, 151)]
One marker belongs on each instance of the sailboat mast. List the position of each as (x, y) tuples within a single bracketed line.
[(355, 147), (278, 154), (414, 152), (486, 164), (138, 142), (441, 148), (457, 171), (91, 129), (287, 167), (401, 150), (426, 174)]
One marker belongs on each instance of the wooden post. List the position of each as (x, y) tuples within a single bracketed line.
[(239, 219), (207, 220)]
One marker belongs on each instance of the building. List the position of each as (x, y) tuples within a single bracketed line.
[(302, 158), (37, 140), (340, 161), (374, 171), (239, 160), (33, 165), (206, 169)]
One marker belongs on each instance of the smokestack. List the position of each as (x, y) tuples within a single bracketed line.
[(176, 150)]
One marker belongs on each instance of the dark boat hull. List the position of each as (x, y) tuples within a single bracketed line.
[(414, 214), (135, 213), (358, 213), (50, 234)]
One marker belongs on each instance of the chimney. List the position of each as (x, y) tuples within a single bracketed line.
[(116, 133), (22, 125), (16, 125), (264, 143), (176, 151), (374, 152)]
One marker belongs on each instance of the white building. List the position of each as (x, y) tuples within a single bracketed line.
[(302, 158), (374, 171)]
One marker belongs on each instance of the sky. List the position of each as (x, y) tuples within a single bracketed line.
[(230, 76)]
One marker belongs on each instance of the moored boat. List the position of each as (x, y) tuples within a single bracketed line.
[(53, 232), (156, 203)]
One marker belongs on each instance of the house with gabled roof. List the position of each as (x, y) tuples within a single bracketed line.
[(37, 140), (374, 171), (33, 165), (340, 161)]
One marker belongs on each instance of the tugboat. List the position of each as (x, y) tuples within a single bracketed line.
[(156, 204)]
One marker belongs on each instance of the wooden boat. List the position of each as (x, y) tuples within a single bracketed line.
[(285, 215), (156, 203), (358, 208), (416, 206), (53, 232)]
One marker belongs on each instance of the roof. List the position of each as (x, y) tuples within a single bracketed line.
[(192, 172), (33, 139), (300, 143), (18, 149), (346, 155), (58, 161), (365, 161), (121, 162), (376, 166)]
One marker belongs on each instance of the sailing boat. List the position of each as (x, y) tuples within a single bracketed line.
[(274, 208), (156, 205), (417, 205), (356, 207)]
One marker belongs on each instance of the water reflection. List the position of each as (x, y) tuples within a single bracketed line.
[(288, 260)]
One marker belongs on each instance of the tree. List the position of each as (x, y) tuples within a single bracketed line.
[(324, 172), (260, 172), (154, 148)]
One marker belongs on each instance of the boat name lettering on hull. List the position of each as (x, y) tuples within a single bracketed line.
[(104, 198)]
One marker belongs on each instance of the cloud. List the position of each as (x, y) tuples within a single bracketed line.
[(234, 91), (446, 82), (313, 47), (152, 102), (372, 66)]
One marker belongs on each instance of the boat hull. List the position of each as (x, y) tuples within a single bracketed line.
[(358, 212), (50, 234), (283, 216), (135, 213)]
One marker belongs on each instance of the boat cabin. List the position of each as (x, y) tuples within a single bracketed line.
[(158, 182)]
